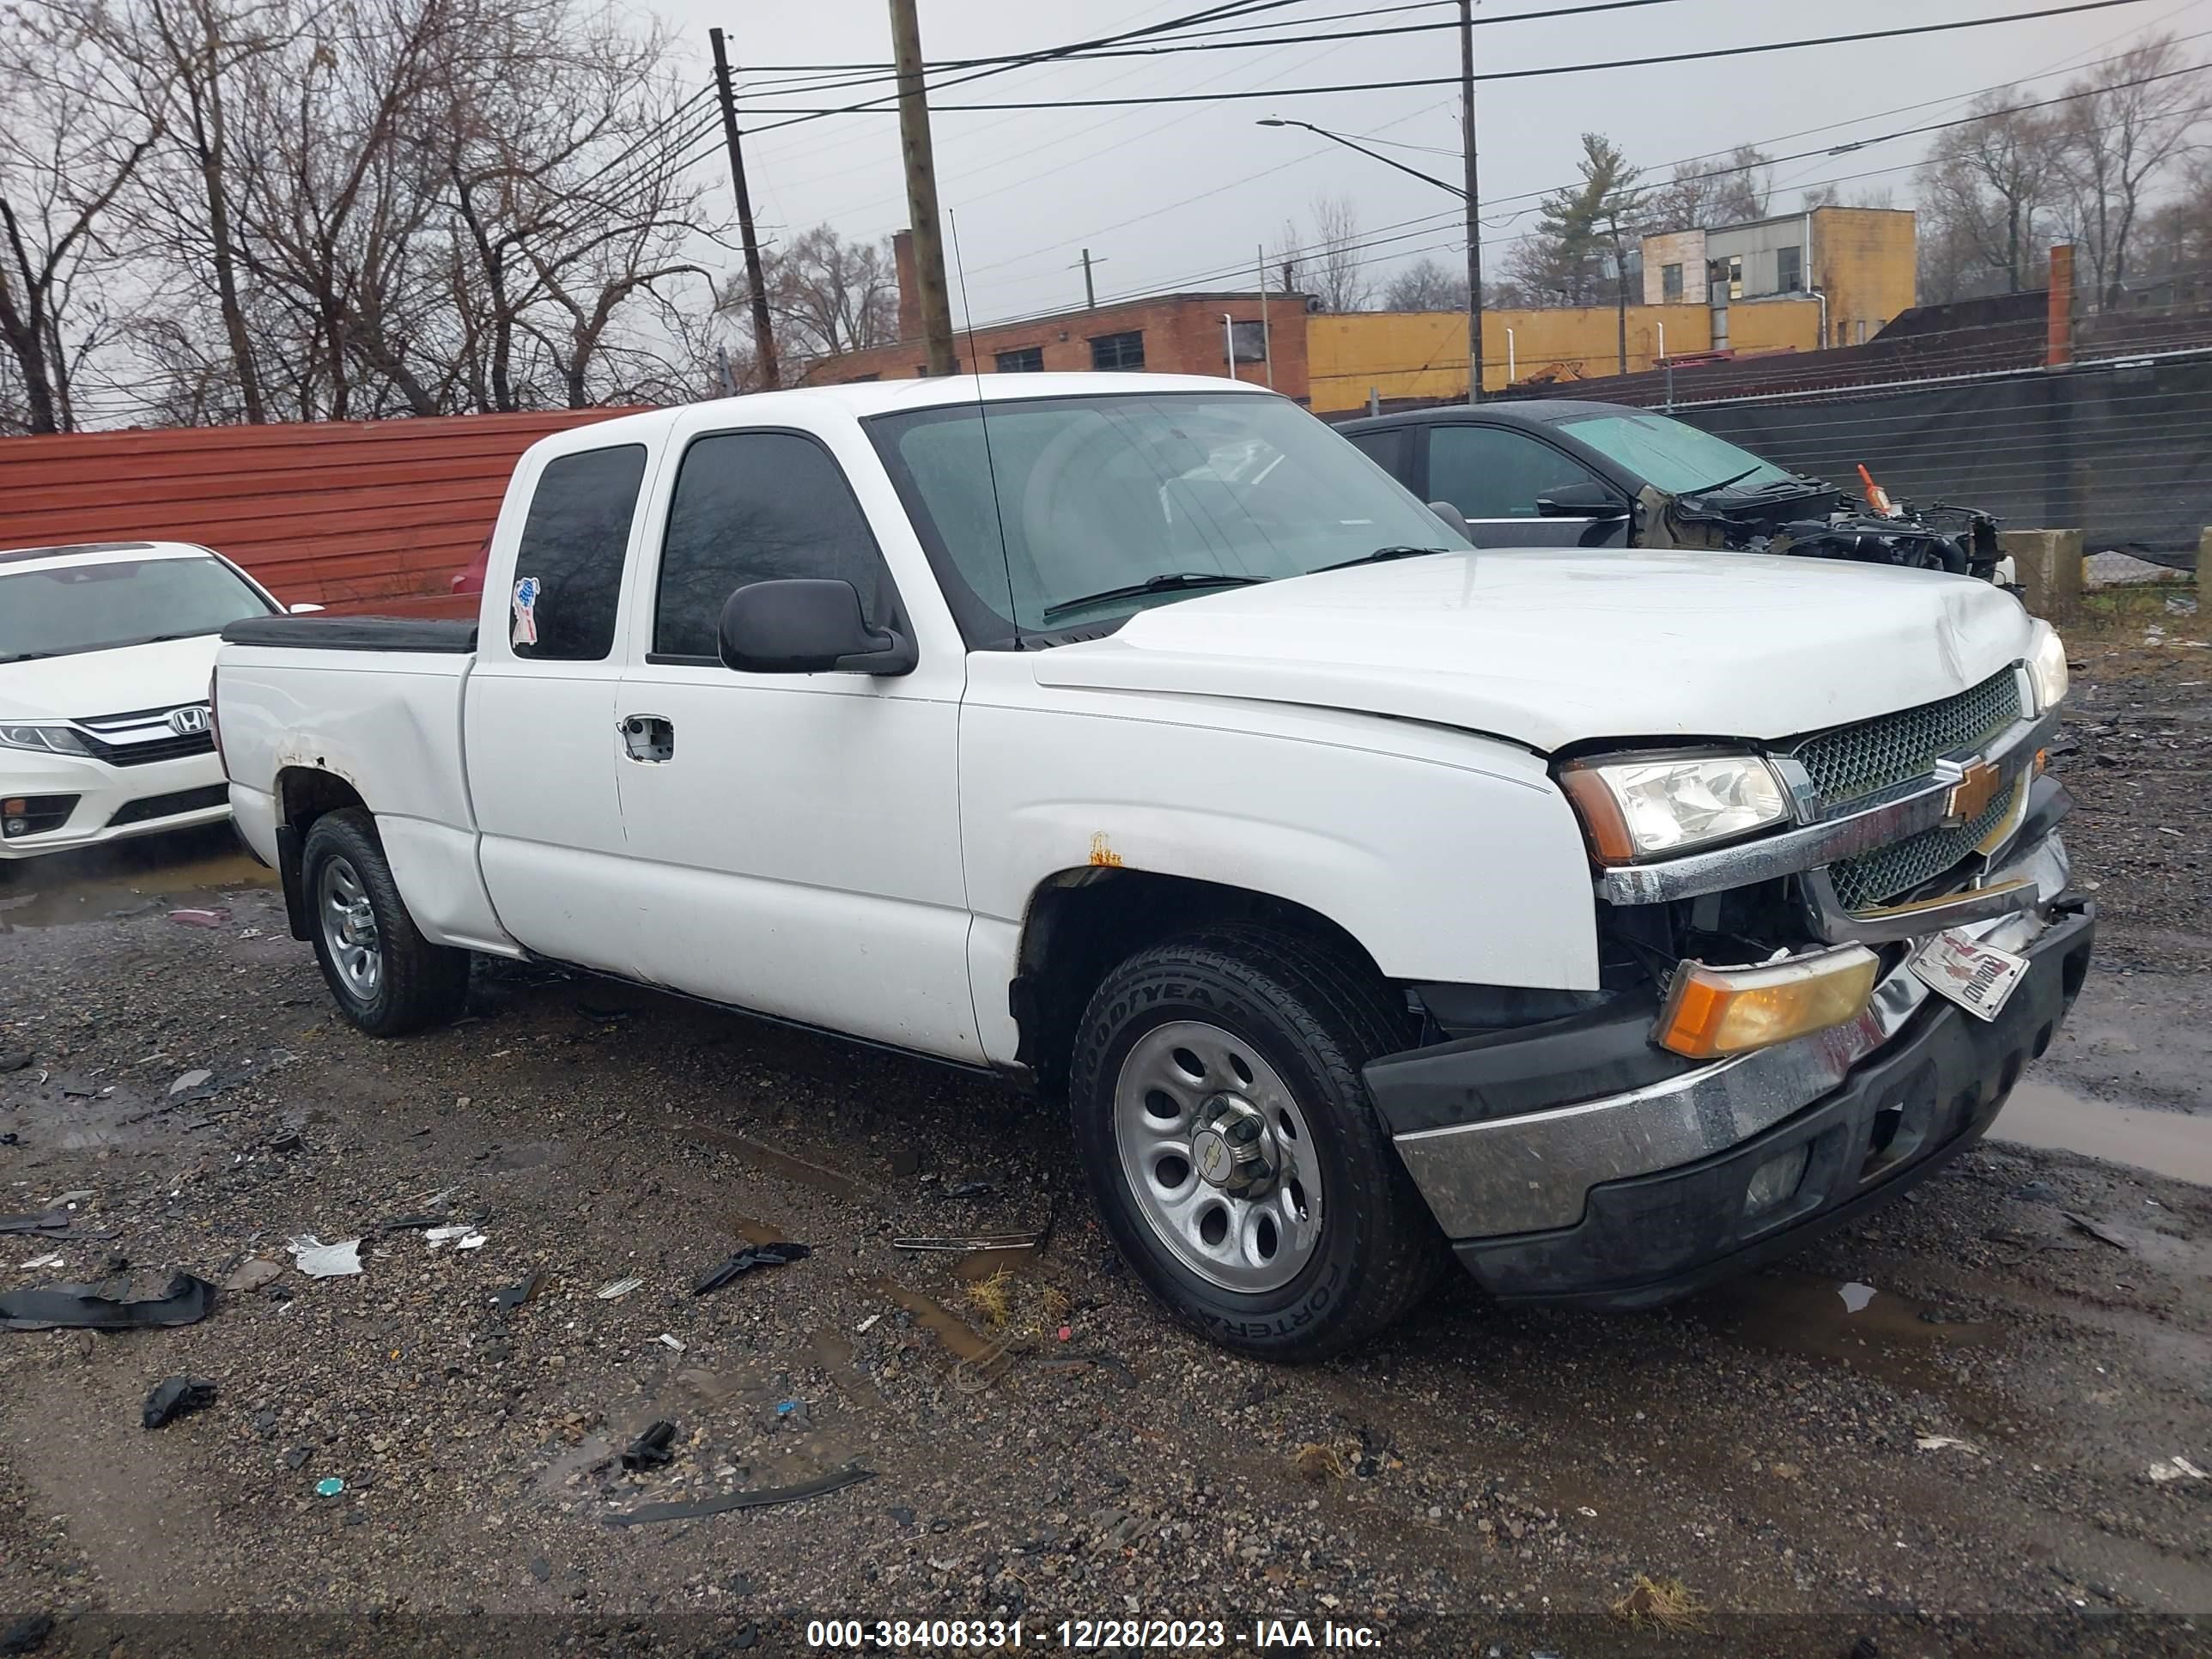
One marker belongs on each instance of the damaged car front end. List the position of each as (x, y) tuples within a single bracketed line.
[(1826, 963)]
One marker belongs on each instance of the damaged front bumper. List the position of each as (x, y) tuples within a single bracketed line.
[(1581, 1164)]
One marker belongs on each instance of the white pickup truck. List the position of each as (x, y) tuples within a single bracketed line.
[(1614, 919)]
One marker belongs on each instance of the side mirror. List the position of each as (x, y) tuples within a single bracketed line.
[(1452, 517), (1586, 500), (302, 609), (807, 625)]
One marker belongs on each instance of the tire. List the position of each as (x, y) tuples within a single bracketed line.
[(1353, 1246), (387, 979)]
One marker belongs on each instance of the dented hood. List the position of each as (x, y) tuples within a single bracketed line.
[(1554, 646)]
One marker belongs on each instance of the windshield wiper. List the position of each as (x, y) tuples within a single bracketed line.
[(1734, 477), (1380, 555), (1170, 582)]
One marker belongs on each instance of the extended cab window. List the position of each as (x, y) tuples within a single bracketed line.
[(1495, 472), (572, 551), (753, 506)]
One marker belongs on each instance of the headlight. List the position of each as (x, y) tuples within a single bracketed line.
[(51, 739), (1640, 809), (2046, 666)]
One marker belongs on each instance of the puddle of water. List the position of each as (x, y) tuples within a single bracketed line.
[(1877, 1332), (139, 877), (775, 1163), (960, 1339), (2177, 1145), (756, 1232), (979, 1265)]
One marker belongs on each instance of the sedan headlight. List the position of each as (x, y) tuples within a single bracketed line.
[(2047, 667), (1640, 809), (50, 739)]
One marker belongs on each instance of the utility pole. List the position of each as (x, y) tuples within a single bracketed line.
[(763, 331), (1473, 208), (921, 189), (1089, 293), (1267, 320)]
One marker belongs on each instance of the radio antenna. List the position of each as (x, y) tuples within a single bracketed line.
[(983, 419)]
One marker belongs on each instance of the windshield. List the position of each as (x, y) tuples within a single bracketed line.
[(92, 607), (1098, 494), (1676, 457)]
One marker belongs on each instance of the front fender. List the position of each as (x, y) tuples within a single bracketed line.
[(1447, 856)]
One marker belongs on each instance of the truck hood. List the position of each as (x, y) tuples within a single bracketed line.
[(117, 681), (1554, 646)]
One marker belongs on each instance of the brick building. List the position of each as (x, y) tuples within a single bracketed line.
[(1170, 334)]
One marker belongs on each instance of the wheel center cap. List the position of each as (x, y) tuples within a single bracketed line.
[(1233, 1148)]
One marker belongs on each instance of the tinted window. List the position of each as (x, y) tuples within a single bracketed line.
[(1495, 472), (572, 547), (1386, 448), (752, 507), (97, 605)]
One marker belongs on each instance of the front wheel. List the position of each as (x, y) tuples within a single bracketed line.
[(388, 978), (1231, 1149)]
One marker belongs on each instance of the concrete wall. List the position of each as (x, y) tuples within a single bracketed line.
[(1864, 260), (1182, 336), (1686, 248), (1423, 354)]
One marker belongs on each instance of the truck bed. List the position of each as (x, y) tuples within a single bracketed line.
[(355, 634)]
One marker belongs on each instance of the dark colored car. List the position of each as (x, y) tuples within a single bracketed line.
[(1557, 473)]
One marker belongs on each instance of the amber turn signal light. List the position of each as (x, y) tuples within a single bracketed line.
[(1713, 1012)]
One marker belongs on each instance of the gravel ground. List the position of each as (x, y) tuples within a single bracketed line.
[(1963, 1465)]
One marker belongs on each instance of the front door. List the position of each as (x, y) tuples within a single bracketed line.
[(1495, 475), (796, 837)]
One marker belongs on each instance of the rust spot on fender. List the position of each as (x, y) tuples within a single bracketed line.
[(1102, 854)]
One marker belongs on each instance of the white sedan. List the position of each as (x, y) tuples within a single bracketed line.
[(106, 652)]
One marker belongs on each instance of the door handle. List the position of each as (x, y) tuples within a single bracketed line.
[(648, 738)]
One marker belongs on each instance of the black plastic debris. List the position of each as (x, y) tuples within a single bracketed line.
[(968, 1189), (515, 1295), (26, 1634), (761, 1498), (103, 1307), (53, 1222), (605, 1016), (651, 1449), (173, 1399), (753, 1257), (15, 1059)]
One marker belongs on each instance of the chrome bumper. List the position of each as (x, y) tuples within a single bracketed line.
[(1527, 1174)]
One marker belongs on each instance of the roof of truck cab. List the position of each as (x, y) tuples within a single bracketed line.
[(861, 400)]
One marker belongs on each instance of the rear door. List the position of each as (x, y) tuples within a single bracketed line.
[(1494, 475), (796, 837), (540, 737)]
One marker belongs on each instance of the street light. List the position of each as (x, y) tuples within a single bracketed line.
[(1473, 230)]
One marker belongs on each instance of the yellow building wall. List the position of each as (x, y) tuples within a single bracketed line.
[(1864, 260), (1423, 354)]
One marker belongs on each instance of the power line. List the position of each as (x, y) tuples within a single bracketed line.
[(796, 115), (1194, 44)]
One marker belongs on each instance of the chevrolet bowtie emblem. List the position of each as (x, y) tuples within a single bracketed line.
[(1976, 788)]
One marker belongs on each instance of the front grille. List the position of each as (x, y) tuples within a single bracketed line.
[(150, 807), (1874, 878), (145, 754), (1857, 760)]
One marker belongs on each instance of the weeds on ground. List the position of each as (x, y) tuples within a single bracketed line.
[(1661, 1604)]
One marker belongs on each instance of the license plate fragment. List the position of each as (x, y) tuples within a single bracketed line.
[(1978, 977)]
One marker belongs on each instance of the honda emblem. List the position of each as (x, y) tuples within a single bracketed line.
[(190, 722)]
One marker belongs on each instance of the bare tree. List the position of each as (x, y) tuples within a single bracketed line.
[(2120, 138), (1425, 285), (71, 136), (834, 296), (1709, 191)]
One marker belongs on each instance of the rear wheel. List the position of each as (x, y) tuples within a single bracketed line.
[(1231, 1149), (388, 978)]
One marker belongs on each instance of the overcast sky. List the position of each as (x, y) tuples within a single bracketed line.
[(1180, 194)]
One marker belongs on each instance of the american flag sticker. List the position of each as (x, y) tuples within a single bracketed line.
[(526, 611)]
